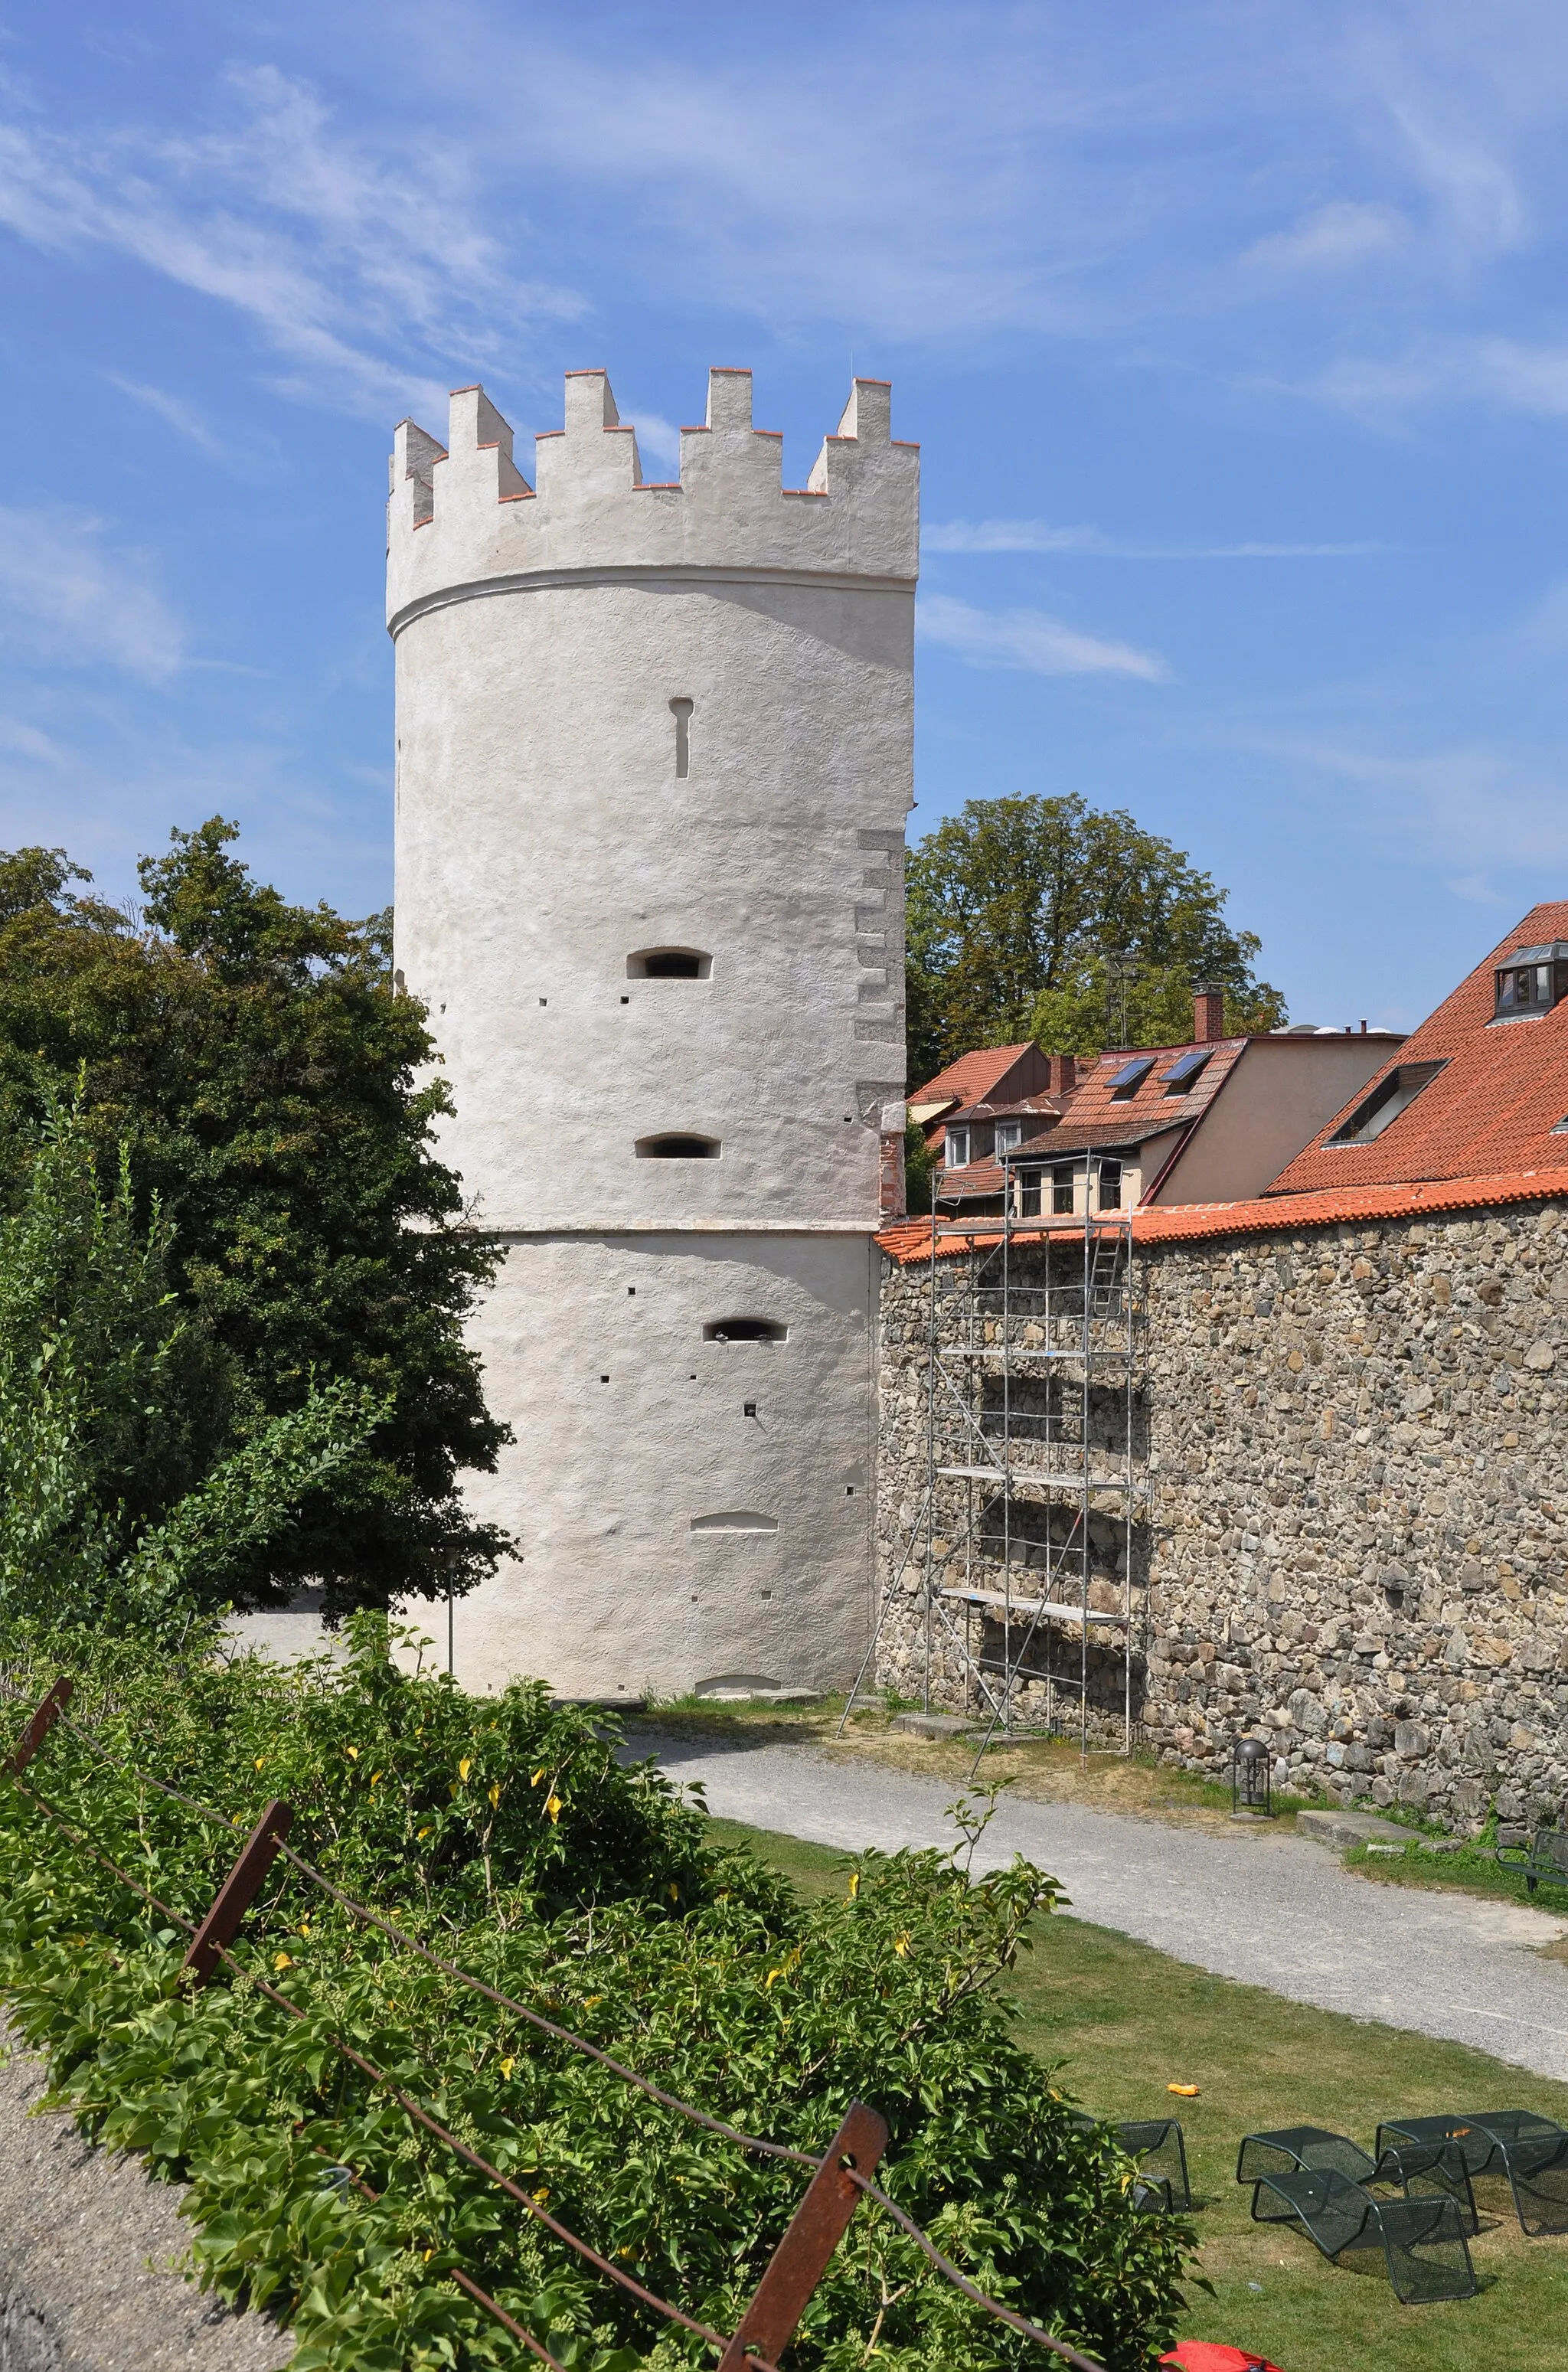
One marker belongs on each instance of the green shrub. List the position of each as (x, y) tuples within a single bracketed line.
[(507, 1833)]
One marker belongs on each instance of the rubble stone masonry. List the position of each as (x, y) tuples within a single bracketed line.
[(1359, 1504)]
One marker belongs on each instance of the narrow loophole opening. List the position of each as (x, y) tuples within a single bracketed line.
[(682, 712)]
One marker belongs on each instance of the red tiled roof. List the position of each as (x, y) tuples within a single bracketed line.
[(1099, 1118), (972, 1076), (1072, 1137), (974, 1178), (1492, 1109), (909, 1240)]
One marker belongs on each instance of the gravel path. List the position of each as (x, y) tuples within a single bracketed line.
[(1271, 1910), (86, 2243)]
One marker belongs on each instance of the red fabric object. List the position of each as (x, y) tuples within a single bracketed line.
[(1207, 2355)]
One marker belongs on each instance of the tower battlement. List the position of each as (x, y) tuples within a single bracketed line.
[(463, 513)]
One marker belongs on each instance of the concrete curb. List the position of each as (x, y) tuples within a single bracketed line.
[(86, 2246)]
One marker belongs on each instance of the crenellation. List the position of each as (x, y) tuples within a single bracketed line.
[(481, 520)]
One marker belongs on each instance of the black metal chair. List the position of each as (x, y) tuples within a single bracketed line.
[(1157, 2149), (1302, 2148), (1425, 2251), (1531, 2152)]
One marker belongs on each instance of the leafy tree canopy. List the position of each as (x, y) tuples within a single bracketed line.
[(268, 1094), (1045, 918)]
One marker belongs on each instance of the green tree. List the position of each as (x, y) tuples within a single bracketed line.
[(89, 1338), (274, 1098), (1048, 918)]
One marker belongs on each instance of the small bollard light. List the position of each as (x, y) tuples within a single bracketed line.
[(1249, 1780)]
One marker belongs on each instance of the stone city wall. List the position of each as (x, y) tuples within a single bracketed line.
[(1355, 1446)]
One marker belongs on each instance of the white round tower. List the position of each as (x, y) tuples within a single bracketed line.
[(654, 754)]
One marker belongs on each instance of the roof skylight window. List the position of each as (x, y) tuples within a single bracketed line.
[(1131, 1077), (1185, 1069), (1387, 1100)]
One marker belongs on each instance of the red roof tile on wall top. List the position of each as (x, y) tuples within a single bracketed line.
[(1491, 1108), (909, 1240)]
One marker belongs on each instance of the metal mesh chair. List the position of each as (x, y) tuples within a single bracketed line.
[(1302, 2148), (1531, 2152), (1156, 2146), (1426, 2251)]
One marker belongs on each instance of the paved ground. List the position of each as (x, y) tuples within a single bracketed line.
[(1269, 1909), (85, 2246)]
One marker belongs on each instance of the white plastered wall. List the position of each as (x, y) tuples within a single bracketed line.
[(544, 837)]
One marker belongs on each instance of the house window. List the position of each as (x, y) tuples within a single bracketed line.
[(677, 1148), (1130, 1078), (958, 1147), (1009, 1136), (668, 963), (1062, 1179), (1531, 981), (1387, 1100), (1185, 1070), (1110, 1186)]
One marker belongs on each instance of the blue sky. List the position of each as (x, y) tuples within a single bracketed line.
[(1235, 336)]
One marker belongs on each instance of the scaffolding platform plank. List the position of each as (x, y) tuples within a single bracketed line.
[(1050, 1609), (1048, 1478)]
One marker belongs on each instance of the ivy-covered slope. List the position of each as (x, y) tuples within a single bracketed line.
[(504, 1832)]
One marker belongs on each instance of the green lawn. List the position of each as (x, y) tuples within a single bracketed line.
[(1121, 2022)]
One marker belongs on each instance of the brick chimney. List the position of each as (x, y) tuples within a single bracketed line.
[(1067, 1075), (1208, 1014)]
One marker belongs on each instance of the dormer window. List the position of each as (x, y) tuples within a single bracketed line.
[(1389, 1098), (1531, 981), (1009, 1137), (1130, 1078), (957, 1151)]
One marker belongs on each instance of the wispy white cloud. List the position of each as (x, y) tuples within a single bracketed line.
[(1029, 640), (1484, 805), (1500, 373), (655, 435), (346, 265), (1477, 890), (1346, 231), (1038, 535), (177, 413), (67, 590)]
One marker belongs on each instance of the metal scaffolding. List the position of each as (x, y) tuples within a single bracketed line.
[(1021, 1570)]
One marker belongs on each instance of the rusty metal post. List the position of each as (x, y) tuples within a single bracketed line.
[(816, 2229), (42, 1722), (237, 1892)]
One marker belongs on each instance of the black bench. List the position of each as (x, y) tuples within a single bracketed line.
[(1546, 1857)]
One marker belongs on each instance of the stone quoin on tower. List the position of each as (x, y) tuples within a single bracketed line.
[(654, 759)]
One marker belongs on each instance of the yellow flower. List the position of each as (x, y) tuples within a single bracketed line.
[(373, 1777), (353, 1753), (465, 1766), (554, 1808), (772, 1978), (901, 1946), (305, 1927), (538, 1776), (593, 2001), (507, 2065), (261, 1761), (853, 1884), (422, 1834), (281, 1961), (541, 2196), (674, 1893), (493, 1792)]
